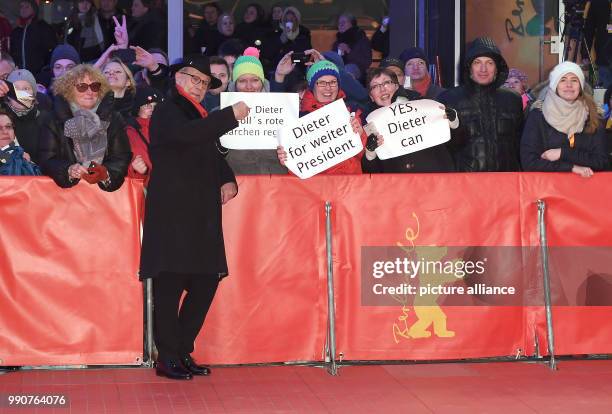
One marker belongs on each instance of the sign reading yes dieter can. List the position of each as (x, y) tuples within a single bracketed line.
[(269, 112), (320, 140), (409, 126)]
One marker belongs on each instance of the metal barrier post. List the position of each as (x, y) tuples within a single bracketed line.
[(148, 300), (545, 269), (332, 368)]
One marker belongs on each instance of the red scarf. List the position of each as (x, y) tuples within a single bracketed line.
[(310, 104), (195, 103), (422, 85), (350, 166)]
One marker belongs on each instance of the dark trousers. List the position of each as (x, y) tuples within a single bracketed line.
[(176, 329)]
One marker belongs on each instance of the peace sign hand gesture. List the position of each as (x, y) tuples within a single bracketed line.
[(121, 33)]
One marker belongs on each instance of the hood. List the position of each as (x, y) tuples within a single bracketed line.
[(335, 58), (293, 10), (484, 46)]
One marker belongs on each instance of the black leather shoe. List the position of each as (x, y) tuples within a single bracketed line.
[(172, 369), (194, 368)]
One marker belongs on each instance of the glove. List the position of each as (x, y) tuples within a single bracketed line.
[(96, 173), (451, 114)]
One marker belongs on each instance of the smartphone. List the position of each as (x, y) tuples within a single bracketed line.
[(11, 93), (127, 56), (299, 57), (407, 82)]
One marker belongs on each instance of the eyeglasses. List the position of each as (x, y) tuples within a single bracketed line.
[(6, 127), (381, 86), (4, 76), (327, 84), (82, 87), (196, 80)]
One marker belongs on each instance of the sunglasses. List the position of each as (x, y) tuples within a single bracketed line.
[(82, 87)]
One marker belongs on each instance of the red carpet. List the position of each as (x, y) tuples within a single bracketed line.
[(583, 387)]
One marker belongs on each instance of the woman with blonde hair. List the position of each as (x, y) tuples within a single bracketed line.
[(564, 130), (122, 83), (84, 137)]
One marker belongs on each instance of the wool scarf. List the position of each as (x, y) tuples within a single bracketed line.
[(564, 116), (89, 135)]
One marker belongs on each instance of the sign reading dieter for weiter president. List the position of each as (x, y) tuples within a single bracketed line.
[(269, 112), (409, 126), (320, 140)]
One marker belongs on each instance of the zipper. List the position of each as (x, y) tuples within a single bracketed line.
[(23, 56)]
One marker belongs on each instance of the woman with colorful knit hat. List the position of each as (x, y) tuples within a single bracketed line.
[(324, 88), (248, 76), (564, 130)]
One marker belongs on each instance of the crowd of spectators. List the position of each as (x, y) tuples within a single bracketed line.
[(95, 98), (70, 90)]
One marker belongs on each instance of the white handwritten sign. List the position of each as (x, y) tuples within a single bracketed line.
[(320, 140), (269, 113), (409, 126)]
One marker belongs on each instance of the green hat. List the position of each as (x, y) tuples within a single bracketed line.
[(321, 68), (248, 65)]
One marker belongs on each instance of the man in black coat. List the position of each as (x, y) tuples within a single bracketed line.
[(490, 118), (183, 248)]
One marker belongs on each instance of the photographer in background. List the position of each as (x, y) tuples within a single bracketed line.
[(598, 38)]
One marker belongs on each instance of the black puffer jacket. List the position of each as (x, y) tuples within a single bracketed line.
[(490, 118), (56, 151)]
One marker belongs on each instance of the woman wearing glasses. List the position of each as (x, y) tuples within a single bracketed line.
[(13, 159), (84, 138), (324, 88), (384, 90)]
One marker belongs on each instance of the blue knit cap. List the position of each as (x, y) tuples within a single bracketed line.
[(321, 68)]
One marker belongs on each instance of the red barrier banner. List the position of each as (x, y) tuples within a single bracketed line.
[(69, 289), (69, 259), (423, 210), (579, 235), (272, 307), (383, 210)]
